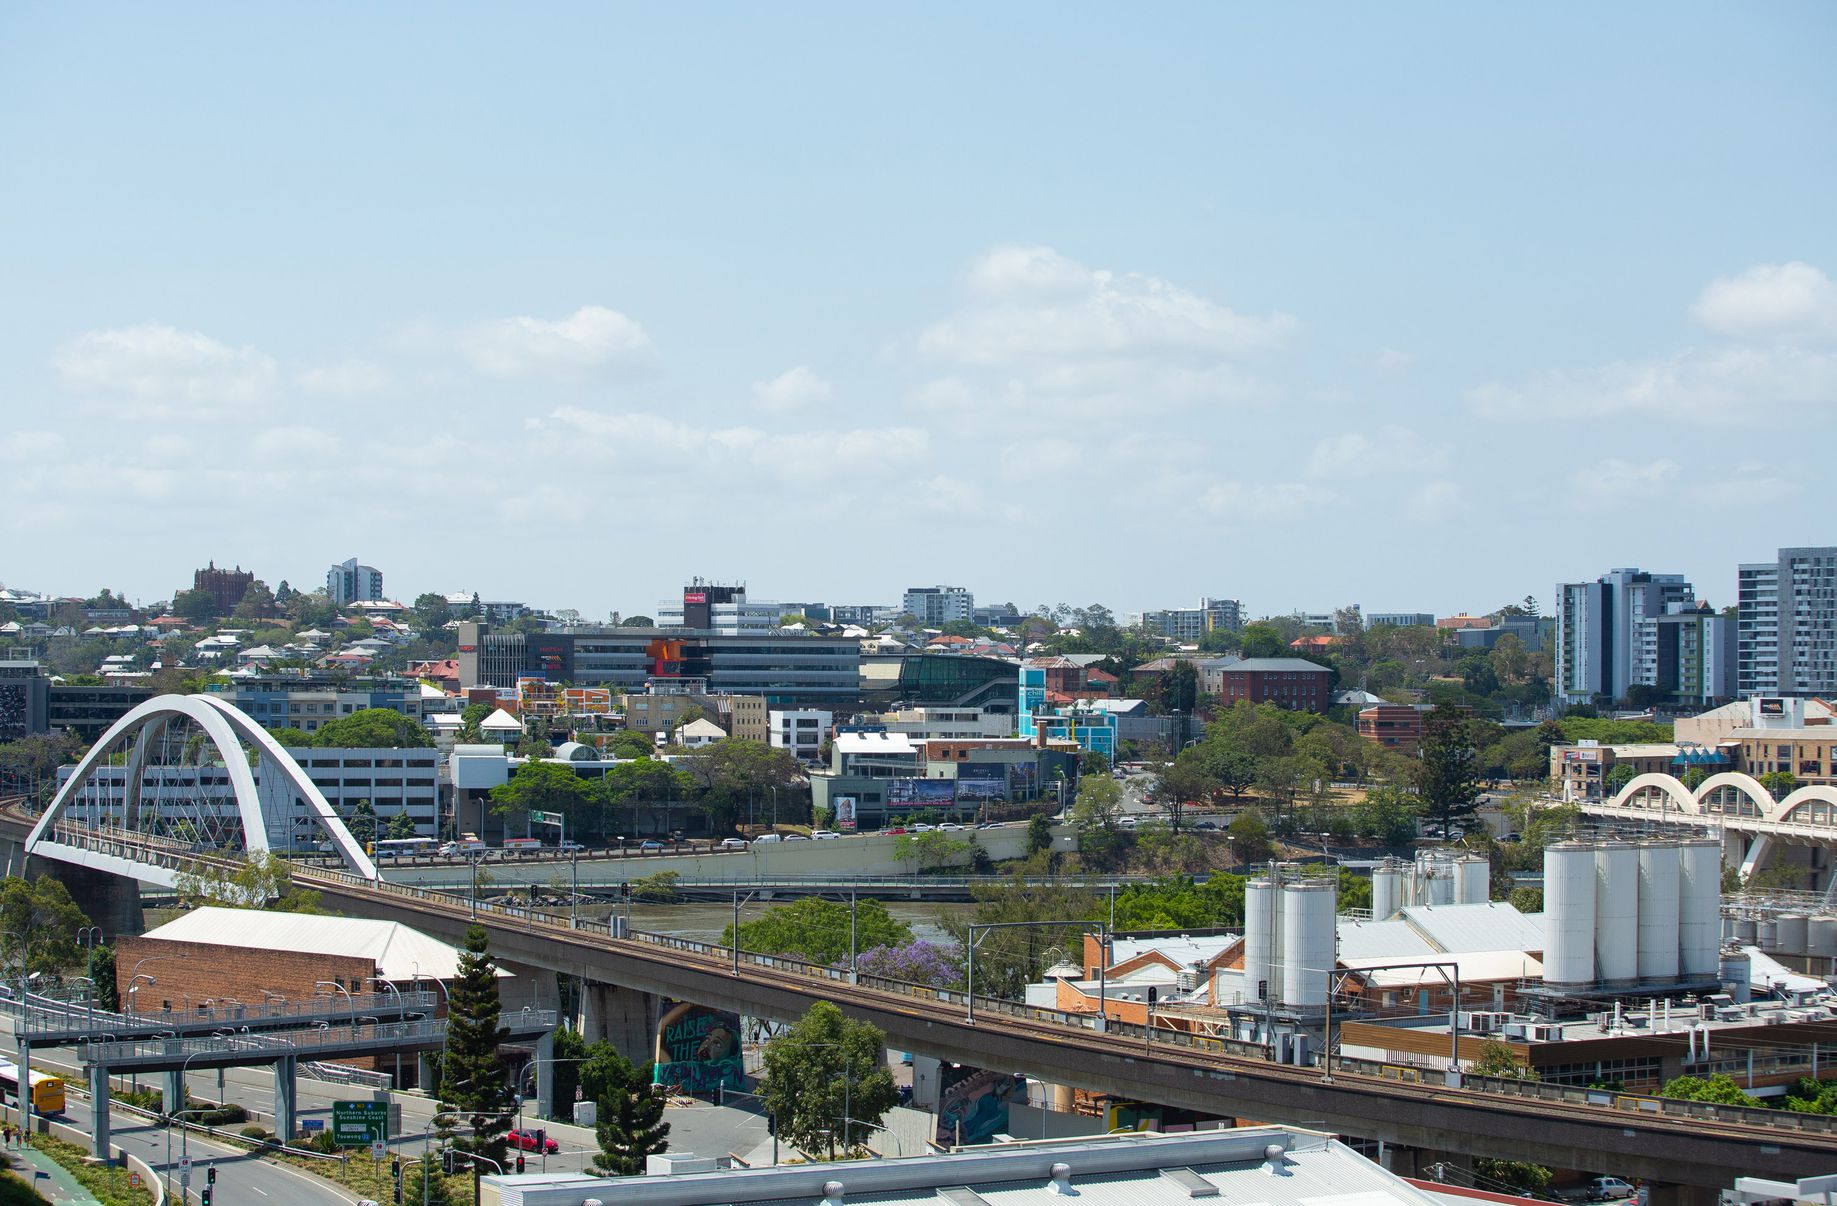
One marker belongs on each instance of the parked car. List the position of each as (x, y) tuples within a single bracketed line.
[(950, 827), (766, 837), (650, 846), (923, 828), (533, 1141), (733, 843), (895, 829), (823, 835), (570, 845), (795, 837), (1609, 1189)]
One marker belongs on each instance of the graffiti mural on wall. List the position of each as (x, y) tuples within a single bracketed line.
[(698, 1050), (973, 1104)]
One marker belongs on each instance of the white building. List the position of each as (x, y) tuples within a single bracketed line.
[(934, 606), (349, 582), (800, 731), (1786, 639), (733, 617), (1191, 623), (1604, 643)]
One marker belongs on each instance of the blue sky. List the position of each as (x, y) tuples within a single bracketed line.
[(1423, 306)]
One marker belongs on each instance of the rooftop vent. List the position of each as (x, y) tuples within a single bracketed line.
[(833, 1194), (1275, 1163), (1195, 1185), (1062, 1181)]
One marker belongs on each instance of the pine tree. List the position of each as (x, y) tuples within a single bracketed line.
[(630, 1127), (474, 1080), (1449, 777)]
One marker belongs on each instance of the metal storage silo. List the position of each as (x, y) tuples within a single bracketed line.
[(1307, 942), (1436, 878), (1658, 912), (1569, 913), (1768, 938), (1473, 879), (1793, 935), (1736, 975), (1747, 931), (1699, 907), (1617, 912), (1387, 890), (1821, 937), (1260, 940)]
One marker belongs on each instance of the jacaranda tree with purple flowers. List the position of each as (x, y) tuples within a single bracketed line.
[(916, 962)]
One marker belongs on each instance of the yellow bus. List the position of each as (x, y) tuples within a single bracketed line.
[(47, 1090)]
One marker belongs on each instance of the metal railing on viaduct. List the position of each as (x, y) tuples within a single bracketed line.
[(1679, 1143)]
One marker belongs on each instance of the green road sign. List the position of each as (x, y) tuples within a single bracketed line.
[(359, 1123)]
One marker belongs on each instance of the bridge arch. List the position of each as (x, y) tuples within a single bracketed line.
[(1734, 793), (1668, 786), (226, 728), (1813, 804)]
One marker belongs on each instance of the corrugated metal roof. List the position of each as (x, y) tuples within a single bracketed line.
[(1493, 926), (400, 953), (1474, 966), (1380, 940)]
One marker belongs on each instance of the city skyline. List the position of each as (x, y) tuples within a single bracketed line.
[(1423, 309)]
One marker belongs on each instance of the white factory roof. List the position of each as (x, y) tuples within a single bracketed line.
[(400, 953), (1766, 972), (1144, 1169), (500, 721), (1394, 939), (875, 743), (1490, 926), (1474, 966)]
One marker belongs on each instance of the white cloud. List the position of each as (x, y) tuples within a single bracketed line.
[(590, 339), (1770, 301), (1390, 360), (1044, 333), (163, 371), (1614, 480), (29, 446), (285, 442), (791, 390), (1259, 501), (795, 458), (1434, 500), (1388, 450), (343, 379), (1724, 385)]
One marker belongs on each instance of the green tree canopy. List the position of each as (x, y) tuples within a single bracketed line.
[(260, 881), (545, 787), (40, 923), (630, 1126), (1448, 775), (381, 728), (826, 1083), (817, 930), (1719, 1089), (1099, 801)]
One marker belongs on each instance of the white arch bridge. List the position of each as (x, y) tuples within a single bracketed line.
[(195, 774), (1754, 825)]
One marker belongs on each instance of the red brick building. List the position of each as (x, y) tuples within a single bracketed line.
[(1287, 682), (1393, 726)]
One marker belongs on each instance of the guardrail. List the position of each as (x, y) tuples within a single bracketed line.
[(49, 1015), (345, 1074)]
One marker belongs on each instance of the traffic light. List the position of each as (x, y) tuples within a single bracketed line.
[(204, 1196), (625, 891), (210, 1174), (395, 1169), (446, 1160), (519, 1162)]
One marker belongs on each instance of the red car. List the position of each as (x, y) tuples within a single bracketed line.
[(895, 829), (533, 1141)]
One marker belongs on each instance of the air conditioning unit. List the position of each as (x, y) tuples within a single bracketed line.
[(1517, 1030), (1186, 981), (1547, 1034)]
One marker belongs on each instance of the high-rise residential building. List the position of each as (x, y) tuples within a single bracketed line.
[(1786, 629), (1603, 643), (1400, 619), (224, 586), (1191, 623), (1693, 658), (350, 582), (933, 606)]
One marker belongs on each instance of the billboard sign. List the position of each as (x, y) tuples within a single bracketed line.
[(920, 793), (359, 1123), (1771, 707), (845, 812), (982, 781)]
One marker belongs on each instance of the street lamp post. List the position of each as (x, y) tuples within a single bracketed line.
[(349, 999)]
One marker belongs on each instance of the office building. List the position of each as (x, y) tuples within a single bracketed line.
[(349, 583), (24, 696), (996, 615), (1400, 619), (225, 587), (298, 702), (88, 711), (1786, 631), (801, 731), (1287, 682), (1693, 656), (935, 606), (784, 668), (1603, 644), (713, 607)]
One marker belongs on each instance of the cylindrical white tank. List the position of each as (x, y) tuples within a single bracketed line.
[(1307, 942), (1387, 888), (1793, 934), (1736, 976), (1658, 912), (1569, 913), (1439, 884), (1617, 912), (1259, 940), (1768, 938), (1821, 937), (1747, 931), (1473, 880), (1699, 907)]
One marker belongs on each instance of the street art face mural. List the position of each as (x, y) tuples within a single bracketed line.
[(698, 1050), (973, 1104)]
